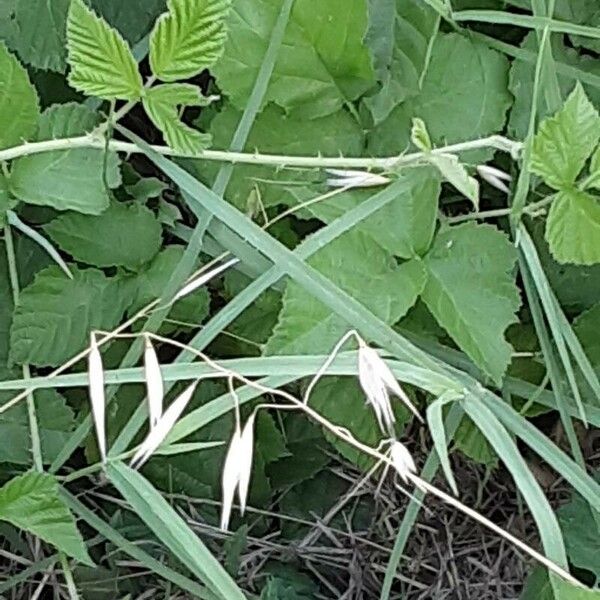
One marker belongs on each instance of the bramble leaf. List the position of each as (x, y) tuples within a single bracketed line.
[(101, 61), (361, 268), (188, 39), (463, 96), (322, 63), (573, 228), (399, 37), (405, 227), (471, 292), (122, 236), (163, 103), (56, 314), (565, 141), (32, 502), (19, 108), (66, 179)]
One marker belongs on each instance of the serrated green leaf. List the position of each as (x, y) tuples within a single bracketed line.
[(455, 173), (565, 141), (163, 104), (42, 35), (573, 228), (56, 314), (322, 63), (522, 78), (188, 39), (19, 108), (69, 179), (464, 96), (122, 236), (399, 36), (275, 132), (593, 181), (471, 292), (55, 420), (31, 502), (363, 269), (473, 444), (406, 226), (100, 59)]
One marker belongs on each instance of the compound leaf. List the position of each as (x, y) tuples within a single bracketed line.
[(101, 61)]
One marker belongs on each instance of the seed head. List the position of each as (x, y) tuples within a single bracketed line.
[(402, 460), (97, 399), (154, 383), (495, 177), (354, 179)]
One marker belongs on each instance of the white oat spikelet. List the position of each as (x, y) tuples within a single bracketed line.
[(402, 460), (495, 177), (237, 467), (377, 381), (354, 179), (97, 398), (157, 434), (154, 383), (192, 286)]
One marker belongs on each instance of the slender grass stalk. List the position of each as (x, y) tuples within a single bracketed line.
[(68, 574), (34, 433)]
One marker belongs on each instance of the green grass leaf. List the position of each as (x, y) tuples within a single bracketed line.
[(471, 292), (573, 228), (31, 502), (188, 39), (565, 141), (322, 62), (56, 314), (100, 59), (19, 109), (69, 179), (463, 96), (164, 103), (362, 269), (399, 37), (172, 531), (122, 236)]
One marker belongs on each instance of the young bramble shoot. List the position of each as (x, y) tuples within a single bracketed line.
[(97, 398)]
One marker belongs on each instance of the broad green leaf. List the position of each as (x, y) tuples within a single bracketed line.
[(122, 236), (564, 590), (56, 422), (405, 227), (42, 33), (56, 314), (573, 228), (188, 39), (31, 502), (471, 291), (463, 96), (586, 327), (472, 443), (594, 178), (322, 63), (275, 132), (132, 19), (100, 59), (19, 109), (399, 37), (522, 78), (581, 532), (363, 269), (565, 141), (66, 179), (163, 104)]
